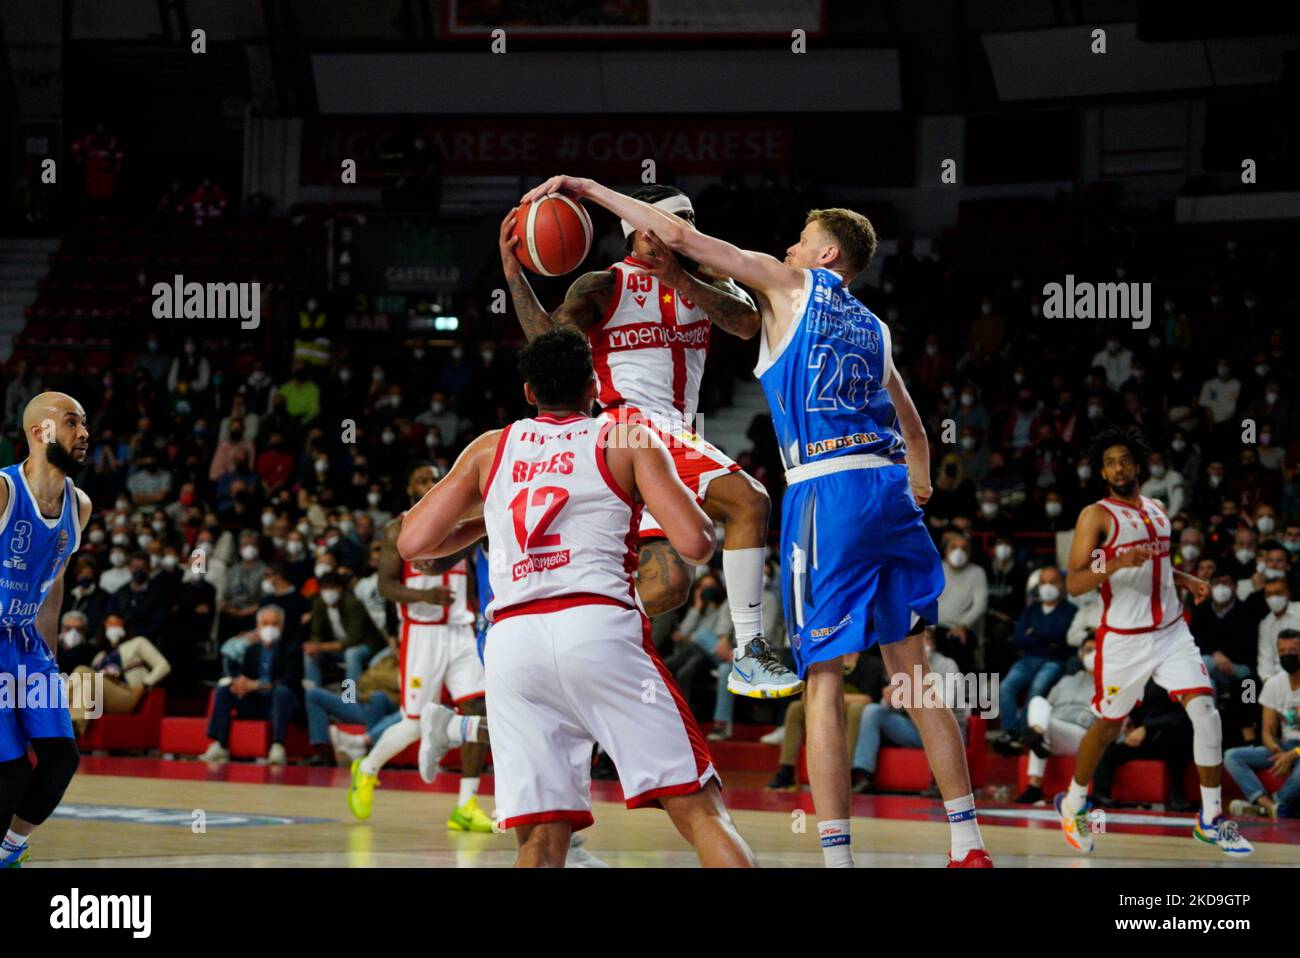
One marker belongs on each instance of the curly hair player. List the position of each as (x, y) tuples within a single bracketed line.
[(1121, 547)]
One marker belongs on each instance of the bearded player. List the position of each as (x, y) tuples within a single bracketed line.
[(437, 649), (569, 659), (648, 320), (858, 565), (1121, 548), (41, 517)]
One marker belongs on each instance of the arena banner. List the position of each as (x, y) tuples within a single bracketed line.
[(408, 257), (614, 147), (633, 18)]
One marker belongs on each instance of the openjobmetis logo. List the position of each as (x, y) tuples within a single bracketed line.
[(1098, 301), (181, 300), (98, 912)]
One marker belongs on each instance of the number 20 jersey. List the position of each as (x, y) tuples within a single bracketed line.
[(558, 525), (825, 381)]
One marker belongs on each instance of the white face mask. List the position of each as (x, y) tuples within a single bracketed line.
[(304, 529), (1274, 573), (268, 587), (346, 526), (268, 633), (143, 540), (1178, 445), (1002, 551), (1245, 556), (321, 569), (114, 634), (1277, 603), (248, 553), (268, 520), (967, 399), (169, 561), (331, 596), (96, 536), (1215, 479), (1265, 524), (1221, 593), (957, 558), (1089, 660), (117, 559), (72, 638), (1049, 593), (1053, 508), (372, 498), (989, 509), (322, 466), (294, 547), (1158, 471), (1084, 471), (968, 443), (387, 438), (1191, 552)]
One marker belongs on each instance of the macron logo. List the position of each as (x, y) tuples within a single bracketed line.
[(77, 911)]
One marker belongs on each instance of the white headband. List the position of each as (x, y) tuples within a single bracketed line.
[(677, 203)]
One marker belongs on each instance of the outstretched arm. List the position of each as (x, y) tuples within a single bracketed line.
[(727, 305), (437, 517)]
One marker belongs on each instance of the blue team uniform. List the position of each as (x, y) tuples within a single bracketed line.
[(33, 552), (484, 597), (858, 564)]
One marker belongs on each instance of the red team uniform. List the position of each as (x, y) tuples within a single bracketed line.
[(438, 643), (569, 657), (649, 351), (1143, 634)]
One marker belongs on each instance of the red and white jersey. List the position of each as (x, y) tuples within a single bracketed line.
[(558, 525), (649, 348), (426, 613), (1142, 598)]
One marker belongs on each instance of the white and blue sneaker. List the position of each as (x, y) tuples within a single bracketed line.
[(759, 674), (1224, 833), (11, 857)]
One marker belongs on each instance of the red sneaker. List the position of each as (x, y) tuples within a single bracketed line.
[(975, 858)]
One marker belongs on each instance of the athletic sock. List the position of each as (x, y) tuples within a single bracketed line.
[(463, 728), (837, 843), (964, 825), (395, 738), (743, 571), (1211, 803), (1076, 798), (12, 842), (468, 789)]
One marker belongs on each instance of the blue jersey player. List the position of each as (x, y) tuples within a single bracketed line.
[(41, 517), (858, 565)]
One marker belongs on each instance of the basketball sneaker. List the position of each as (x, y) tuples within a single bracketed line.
[(1224, 833), (361, 791), (579, 857), (11, 857), (434, 740), (469, 818), (759, 674), (1077, 830), (975, 858)]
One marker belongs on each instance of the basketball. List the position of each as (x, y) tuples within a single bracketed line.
[(554, 235)]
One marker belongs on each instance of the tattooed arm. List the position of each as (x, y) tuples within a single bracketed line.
[(584, 304), (728, 306)]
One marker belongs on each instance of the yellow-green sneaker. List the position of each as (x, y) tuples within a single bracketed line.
[(469, 818), (361, 791)]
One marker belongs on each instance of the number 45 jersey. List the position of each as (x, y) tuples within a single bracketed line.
[(825, 382), (561, 532)]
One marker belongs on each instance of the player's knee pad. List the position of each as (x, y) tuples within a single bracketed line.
[(56, 762), (1207, 731)]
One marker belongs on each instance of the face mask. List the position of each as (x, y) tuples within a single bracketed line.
[(377, 376), (85, 581), (121, 539), (1214, 480), (1271, 396), (321, 569), (268, 520), (457, 354), (1089, 661), (1274, 574), (322, 466), (931, 349), (1265, 524), (1224, 372), (278, 541), (304, 529), (114, 634), (487, 355), (417, 353), (1190, 552), (248, 553), (119, 520), (1053, 508), (331, 542), (345, 375), (1277, 603), (1221, 593), (346, 526), (117, 558), (387, 438), (968, 443), (268, 633), (169, 561), (1084, 471), (986, 308), (72, 638), (957, 558), (711, 594), (331, 596), (1291, 546), (948, 392), (1176, 375), (293, 547), (967, 400), (1049, 593), (372, 498), (158, 527), (139, 575), (1289, 663), (143, 540), (1158, 471), (1178, 445), (989, 509), (1245, 556), (1094, 412), (1002, 551), (96, 536), (430, 440)]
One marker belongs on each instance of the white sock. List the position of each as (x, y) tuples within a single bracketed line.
[(14, 841), (1211, 803), (743, 571), (463, 728), (965, 826), (1076, 797), (837, 843), (468, 789), (395, 738)]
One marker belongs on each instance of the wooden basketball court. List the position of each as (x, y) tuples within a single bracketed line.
[(122, 812)]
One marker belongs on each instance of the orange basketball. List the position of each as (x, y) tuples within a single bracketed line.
[(554, 235)]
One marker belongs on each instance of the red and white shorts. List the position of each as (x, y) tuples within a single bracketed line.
[(436, 655), (564, 674), (1125, 662), (697, 460)]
